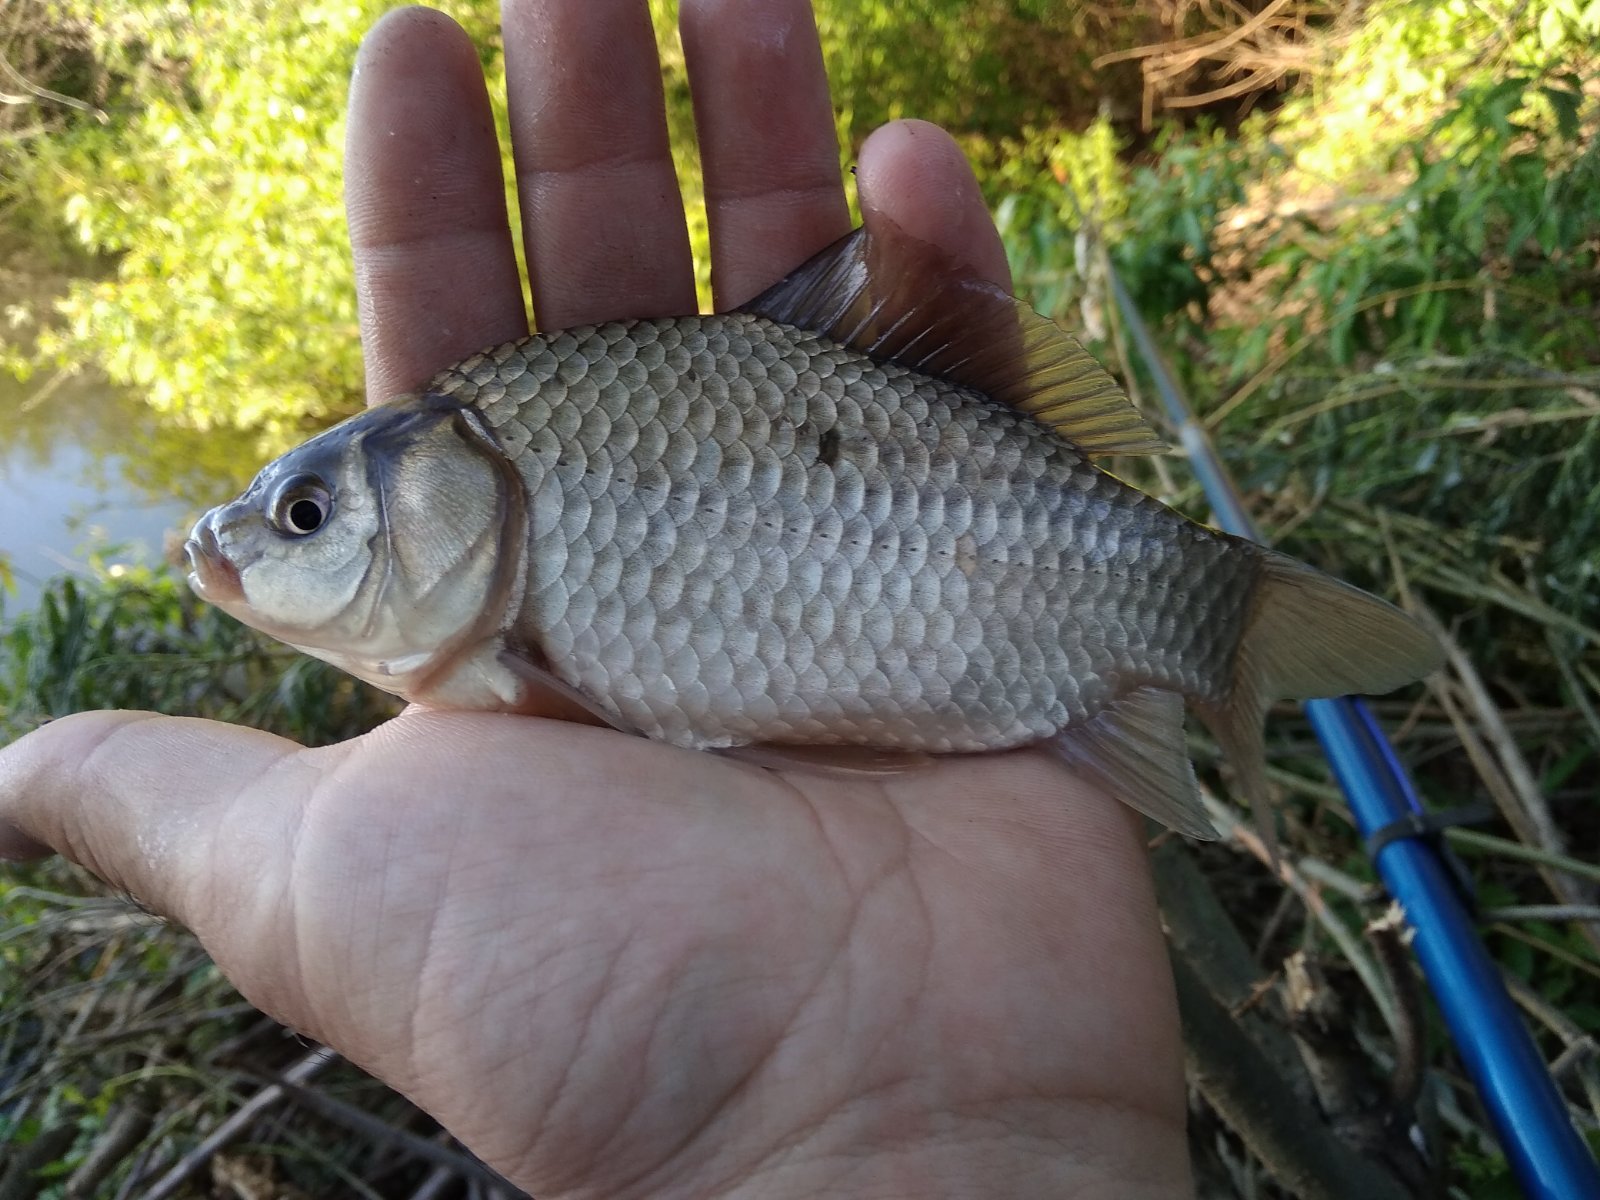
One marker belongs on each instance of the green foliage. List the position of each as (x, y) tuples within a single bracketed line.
[(218, 188), (1486, 180), (139, 639), (1496, 198), (1488, 1175), (216, 182), (985, 68), (1458, 316), (1431, 278)]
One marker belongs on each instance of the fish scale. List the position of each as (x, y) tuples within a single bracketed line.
[(954, 565)]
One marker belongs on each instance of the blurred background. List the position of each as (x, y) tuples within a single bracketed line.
[(1367, 236)]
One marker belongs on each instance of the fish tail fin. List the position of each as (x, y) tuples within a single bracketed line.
[(1307, 636)]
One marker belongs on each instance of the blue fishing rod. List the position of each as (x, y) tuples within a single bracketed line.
[(1530, 1118)]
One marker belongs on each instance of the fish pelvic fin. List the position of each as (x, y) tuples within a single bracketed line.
[(1307, 636), (1134, 750), (899, 299)]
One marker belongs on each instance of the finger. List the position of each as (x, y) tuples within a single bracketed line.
[(436, 272), (774, 196), (208, 824), (137, 799), (16, 846), (915, 174), (602, 218)]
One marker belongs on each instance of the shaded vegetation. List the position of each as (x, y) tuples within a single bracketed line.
[(140, 639), (1367, 234)]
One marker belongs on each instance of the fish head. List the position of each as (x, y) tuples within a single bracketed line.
[(388, 545)]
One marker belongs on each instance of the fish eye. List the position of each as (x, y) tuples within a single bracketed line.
[(301, 506)]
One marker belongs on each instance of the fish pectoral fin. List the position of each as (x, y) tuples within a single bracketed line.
[(902, 300), (1134, 749), (544, 694), (828, 760)]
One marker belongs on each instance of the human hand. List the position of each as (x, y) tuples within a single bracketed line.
[(612, 967)]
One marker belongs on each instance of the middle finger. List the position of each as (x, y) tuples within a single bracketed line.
[(602, 216)]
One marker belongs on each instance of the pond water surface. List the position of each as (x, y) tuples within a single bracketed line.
[(86, 469)]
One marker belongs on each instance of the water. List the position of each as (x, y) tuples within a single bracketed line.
[(85, 469)]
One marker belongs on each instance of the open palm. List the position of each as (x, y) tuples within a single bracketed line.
[(611, 967)]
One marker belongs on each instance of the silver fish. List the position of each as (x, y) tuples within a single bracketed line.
[(856, 518)]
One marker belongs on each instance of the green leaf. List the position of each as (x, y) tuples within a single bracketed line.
[(1565, 103)]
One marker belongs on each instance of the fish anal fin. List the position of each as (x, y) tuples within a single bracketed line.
[(829, 760), (1134, 749), (900, 299)]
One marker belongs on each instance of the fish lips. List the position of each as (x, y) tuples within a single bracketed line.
[(212, 574)]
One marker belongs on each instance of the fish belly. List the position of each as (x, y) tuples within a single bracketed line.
[(744, 533)]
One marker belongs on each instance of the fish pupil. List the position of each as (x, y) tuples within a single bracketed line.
[(300, 506), (305, 516)]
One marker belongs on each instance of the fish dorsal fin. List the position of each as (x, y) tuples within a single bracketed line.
[(903, 300)]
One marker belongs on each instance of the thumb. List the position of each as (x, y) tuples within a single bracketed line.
[(137, 798)]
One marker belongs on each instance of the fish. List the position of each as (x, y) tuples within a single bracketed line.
[(854, 523)]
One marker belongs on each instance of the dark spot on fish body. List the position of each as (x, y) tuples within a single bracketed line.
[(828, 447)]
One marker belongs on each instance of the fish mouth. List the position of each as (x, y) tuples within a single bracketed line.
[(212, 573)]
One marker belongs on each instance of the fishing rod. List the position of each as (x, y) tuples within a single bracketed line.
[(1548, 1156)]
